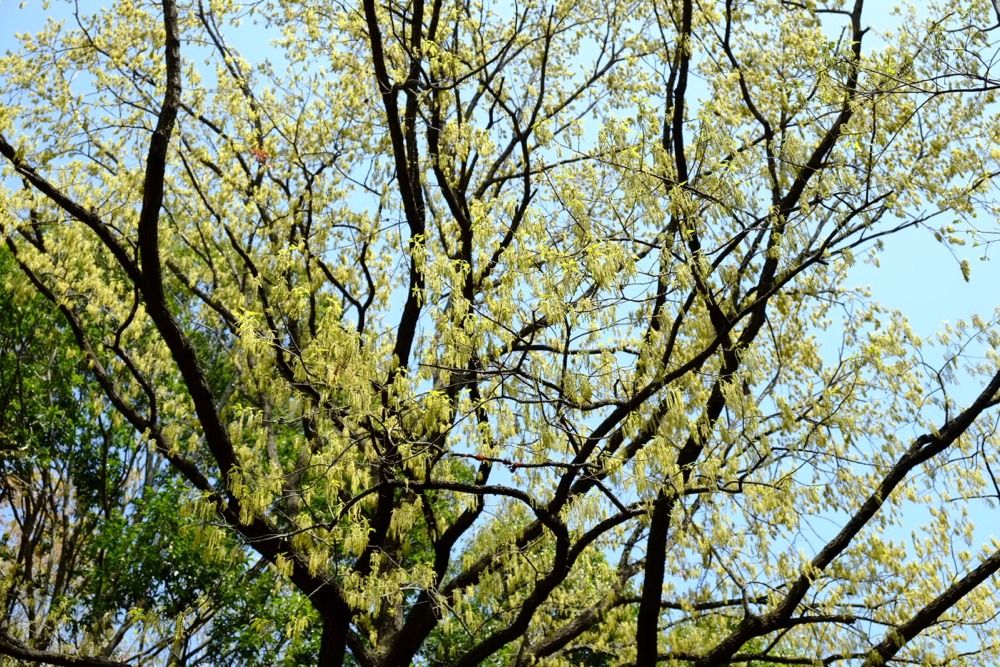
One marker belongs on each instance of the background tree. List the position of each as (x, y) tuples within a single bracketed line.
[(95, 553), (495, 329)]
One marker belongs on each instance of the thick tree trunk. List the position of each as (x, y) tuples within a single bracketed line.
[(333, 644), (647, 627)]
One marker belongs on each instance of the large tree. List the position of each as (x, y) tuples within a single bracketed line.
[(523, 332)]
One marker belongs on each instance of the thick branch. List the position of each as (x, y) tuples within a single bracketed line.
[(15, 649), (923, 619)]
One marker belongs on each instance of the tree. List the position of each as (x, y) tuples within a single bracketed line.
[(94, 552), (494, 330)]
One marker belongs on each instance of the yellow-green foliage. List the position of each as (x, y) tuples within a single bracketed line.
[(465, 301)]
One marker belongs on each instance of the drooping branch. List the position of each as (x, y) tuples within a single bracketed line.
[(88, 217)]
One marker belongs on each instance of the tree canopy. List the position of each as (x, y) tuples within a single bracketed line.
[(470, 333)]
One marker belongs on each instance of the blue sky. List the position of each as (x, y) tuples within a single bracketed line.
[(918, 275)]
